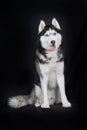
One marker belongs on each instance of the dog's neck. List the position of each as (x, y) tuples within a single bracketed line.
[(46, 56), (51, 54)]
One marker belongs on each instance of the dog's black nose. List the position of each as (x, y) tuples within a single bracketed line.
[(53, 42)]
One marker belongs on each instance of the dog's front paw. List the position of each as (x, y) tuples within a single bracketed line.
[(66, 104), (45, 105), (37, 104)]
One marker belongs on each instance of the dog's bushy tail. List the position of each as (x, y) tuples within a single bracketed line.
[(21, 100)]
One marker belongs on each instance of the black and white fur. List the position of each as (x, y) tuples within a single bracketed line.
[(50, 68)]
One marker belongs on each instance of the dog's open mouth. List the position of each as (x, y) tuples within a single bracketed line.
[(53, 47)]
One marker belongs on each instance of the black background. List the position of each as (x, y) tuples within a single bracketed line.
[(19, 27)]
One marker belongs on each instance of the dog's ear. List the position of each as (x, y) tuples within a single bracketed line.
[(55, 23), (41, 26)]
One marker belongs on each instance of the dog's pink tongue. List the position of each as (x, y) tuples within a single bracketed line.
[(53, 48)]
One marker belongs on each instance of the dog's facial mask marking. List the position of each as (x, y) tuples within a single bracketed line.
[(51, 39)]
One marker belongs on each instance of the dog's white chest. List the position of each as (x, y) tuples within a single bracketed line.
[(56, 67)]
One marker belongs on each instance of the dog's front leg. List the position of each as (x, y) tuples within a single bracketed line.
[(44, 83), (61, 84)]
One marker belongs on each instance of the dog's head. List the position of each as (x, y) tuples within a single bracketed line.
[(50, 35)]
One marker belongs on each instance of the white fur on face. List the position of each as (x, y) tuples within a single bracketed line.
[(48, 37)]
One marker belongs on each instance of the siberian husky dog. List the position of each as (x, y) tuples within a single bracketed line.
[(50, 68)]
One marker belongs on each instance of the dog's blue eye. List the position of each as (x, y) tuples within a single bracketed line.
[(46, 35), (54, 33)]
